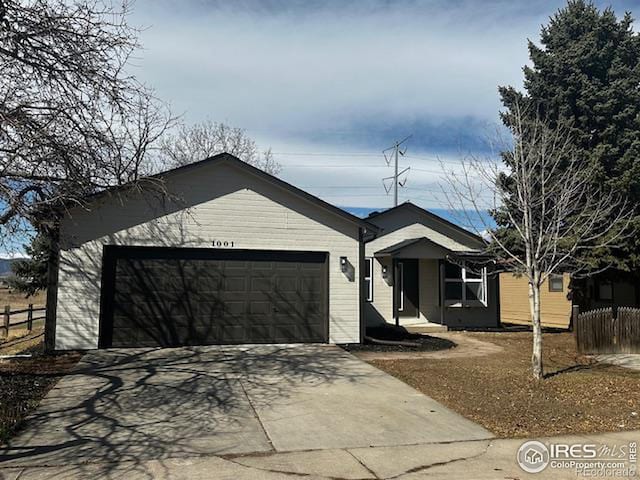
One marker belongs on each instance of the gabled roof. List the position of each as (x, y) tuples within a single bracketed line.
[(250, 169), (421, 211), (397, 248)]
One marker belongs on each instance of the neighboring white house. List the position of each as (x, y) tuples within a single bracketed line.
[(421, 269), (232, 255)]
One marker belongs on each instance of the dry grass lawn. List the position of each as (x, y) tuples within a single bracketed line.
[(18, 300), (25, 381), (497, 390)]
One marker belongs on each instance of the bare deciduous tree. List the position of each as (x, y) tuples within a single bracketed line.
[(548, 207), (72, 120), (202, 140)]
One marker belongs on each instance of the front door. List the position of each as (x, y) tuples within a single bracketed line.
[(407, 304)]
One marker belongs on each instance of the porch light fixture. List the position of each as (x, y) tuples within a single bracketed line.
[(343, 264), (384, 271)]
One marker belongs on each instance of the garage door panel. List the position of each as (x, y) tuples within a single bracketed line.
[(169, 297), (235, 283), (257, 333), (261, 285), (287, 283), (231, 308)]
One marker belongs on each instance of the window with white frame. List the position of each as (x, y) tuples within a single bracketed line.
[(465, 285), (368, 278)]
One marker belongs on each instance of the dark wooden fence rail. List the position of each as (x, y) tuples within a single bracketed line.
[(33, 315), (609, 330)]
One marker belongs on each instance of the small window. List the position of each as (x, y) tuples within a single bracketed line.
[(368, 275), (604, 290), (556, 283), (464, 285)]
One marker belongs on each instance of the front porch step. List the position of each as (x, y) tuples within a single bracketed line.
[(433, 328)]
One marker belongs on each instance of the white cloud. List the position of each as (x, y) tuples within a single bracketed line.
[(338, 77), (282, 73)]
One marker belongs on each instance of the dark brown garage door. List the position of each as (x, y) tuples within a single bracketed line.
[(170, 297)]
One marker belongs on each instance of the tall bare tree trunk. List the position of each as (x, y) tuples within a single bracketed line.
[(534, 304)]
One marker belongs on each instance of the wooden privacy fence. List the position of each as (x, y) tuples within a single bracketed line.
[(32, 315), (609, 330)]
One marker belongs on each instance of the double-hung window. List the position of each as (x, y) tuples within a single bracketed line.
[(465, 285), (368, 278)]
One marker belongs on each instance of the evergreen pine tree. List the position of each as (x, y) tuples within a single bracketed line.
[(586, 76), (30, 274)]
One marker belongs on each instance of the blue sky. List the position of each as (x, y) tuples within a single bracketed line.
[(329, 84)]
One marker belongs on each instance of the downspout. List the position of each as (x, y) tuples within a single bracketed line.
[(396, 293), (361, 296), (441, 279)]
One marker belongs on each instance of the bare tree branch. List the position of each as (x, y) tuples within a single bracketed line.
[(202, 140), (72, 120), (550, 210)]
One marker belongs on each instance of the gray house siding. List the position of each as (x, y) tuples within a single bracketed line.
[(220, 202), (403, 223)]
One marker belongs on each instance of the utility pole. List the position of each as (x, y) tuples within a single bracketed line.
[(396, 174)]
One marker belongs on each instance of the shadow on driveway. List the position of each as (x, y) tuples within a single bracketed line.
[(133, 406)]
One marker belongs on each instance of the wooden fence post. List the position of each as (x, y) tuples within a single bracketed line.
[(30, 318), (575, 311), (7, 315)]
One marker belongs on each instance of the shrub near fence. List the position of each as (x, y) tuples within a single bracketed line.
[(608, 330)]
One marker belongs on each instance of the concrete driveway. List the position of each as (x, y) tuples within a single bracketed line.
[(144, 405)]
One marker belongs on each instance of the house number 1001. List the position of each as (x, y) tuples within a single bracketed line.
[(222, 243)]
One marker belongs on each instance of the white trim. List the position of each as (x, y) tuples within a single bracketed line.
[(463, 281), (369, 261), (401, 286)]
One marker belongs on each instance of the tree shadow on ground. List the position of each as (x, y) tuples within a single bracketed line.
[(123, 408)]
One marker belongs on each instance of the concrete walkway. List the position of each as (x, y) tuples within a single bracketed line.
[(465, 347), (482, 459), (143, 409), (627, 360)]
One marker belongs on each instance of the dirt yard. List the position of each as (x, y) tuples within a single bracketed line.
[(25, 381), (497, 391)]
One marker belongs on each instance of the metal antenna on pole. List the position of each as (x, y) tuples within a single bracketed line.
[(396, 151)]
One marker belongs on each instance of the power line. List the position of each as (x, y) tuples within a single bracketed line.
[(367, 154), (324, 165), (323, 154), (437, 172), (340, 186), (415, 186), (435, 159)]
